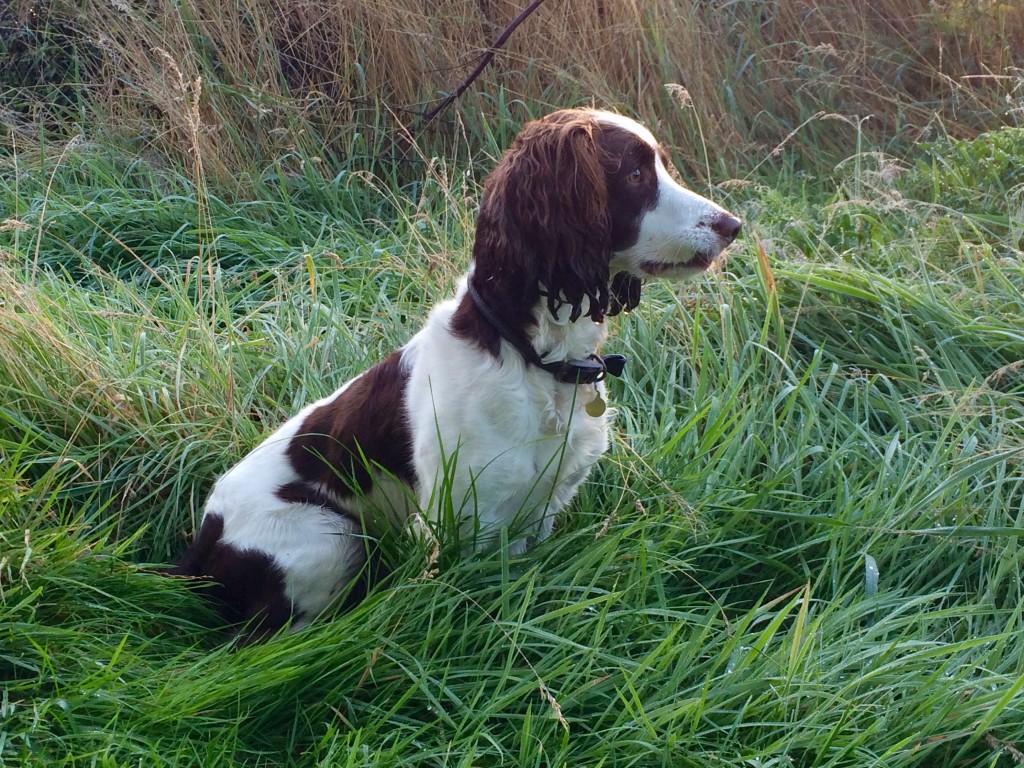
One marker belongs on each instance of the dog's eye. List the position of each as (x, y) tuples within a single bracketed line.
[(636, 174)]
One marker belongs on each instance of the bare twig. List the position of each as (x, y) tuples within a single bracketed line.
[(485, 59)]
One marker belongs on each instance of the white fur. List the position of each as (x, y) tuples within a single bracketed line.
[(522, 439)]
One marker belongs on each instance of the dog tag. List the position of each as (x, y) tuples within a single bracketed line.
[(595, 407)]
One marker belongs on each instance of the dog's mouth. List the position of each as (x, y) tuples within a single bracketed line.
[(699, 262)]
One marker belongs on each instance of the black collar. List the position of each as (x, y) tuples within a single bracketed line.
[(588, 371)]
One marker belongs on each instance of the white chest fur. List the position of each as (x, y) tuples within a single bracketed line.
[(504, 444)]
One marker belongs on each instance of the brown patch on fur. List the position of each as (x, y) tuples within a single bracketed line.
[(544, 219), (247, 585), (363, 428)]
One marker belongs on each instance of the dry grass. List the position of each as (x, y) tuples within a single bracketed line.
[(305, 78)]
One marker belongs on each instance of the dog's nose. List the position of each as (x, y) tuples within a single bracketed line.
[(726, 227)]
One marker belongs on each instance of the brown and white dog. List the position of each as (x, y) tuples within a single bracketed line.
[(494, 411)]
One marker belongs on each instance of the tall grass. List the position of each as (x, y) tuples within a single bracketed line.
[(803, 548), (244, 85)]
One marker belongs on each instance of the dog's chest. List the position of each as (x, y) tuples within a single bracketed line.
[(567, 407), (565, 427), (500, 441)]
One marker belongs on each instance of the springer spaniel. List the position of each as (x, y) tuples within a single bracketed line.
[(493, 413)]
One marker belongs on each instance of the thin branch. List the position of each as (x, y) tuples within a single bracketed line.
[(485, 59)]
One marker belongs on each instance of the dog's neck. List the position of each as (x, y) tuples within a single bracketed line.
[(555, 343), (556, 337)]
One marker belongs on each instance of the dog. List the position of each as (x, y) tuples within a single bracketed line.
[(494, 413)]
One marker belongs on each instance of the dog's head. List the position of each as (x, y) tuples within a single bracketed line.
[(582, 206)]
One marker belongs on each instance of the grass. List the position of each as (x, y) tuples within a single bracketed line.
[(804, 547), (849, 387), (315, 83)]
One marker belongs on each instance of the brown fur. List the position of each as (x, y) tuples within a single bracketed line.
[(544, 218), (362, 428)]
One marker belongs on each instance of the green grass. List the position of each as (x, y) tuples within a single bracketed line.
[(854, 397)]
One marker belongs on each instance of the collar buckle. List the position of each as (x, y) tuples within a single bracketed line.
[(589, 371)]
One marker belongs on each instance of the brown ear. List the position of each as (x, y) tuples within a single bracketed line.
[(544, 221), (625, 293)]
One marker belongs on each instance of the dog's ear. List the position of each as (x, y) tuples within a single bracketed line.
[(625, 293), (544, 225)]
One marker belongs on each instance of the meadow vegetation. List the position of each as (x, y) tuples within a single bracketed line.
[(805, 546)]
